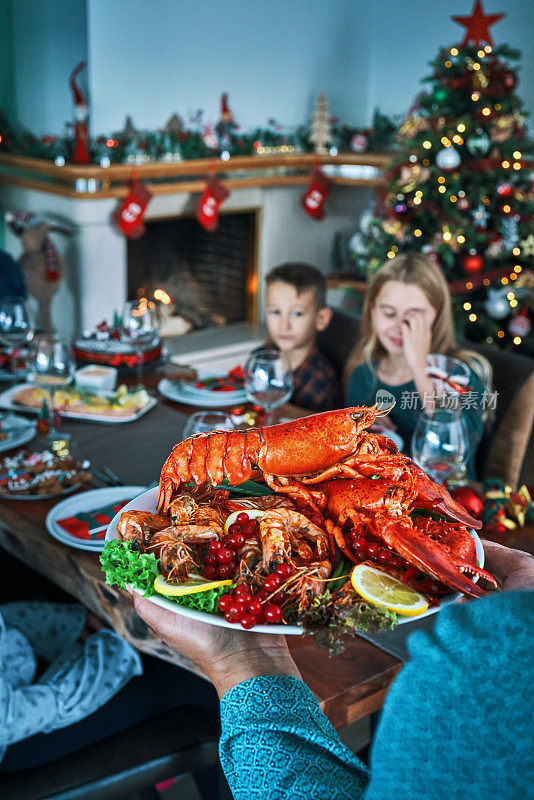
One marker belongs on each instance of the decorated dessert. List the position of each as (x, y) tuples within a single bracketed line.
[(317, 522), (39, 473), (103, 345)]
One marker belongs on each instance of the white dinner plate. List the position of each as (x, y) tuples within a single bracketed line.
[(50, 496), (148, 502), (20, 431), (174, 390), (194, 391), (88, 502), (6, 401)]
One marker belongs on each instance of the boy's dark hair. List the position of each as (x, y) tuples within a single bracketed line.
[(301, 276)]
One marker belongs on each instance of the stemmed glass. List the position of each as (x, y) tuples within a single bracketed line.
[(16, 326), (268, 380), (440, 444), (204, 421), (51, 365), (140, 329)]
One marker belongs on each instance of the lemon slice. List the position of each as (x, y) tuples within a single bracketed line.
[(253, 513), (196, 583), (384, 590)]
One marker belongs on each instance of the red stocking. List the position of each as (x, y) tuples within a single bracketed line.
[(129, 216), (208, 206), (313, 198)]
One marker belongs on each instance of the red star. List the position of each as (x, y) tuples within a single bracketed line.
[(478, 25)]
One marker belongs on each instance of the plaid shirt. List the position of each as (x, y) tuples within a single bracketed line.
[(316, 384)]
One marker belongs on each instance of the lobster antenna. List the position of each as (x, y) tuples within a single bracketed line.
[(383, 411)]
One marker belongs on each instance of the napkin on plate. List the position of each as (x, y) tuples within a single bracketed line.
[(91, 524)]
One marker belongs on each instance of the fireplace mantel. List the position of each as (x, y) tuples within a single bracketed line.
[(240, 172)]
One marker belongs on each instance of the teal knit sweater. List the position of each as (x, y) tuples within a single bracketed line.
[(457, 722)]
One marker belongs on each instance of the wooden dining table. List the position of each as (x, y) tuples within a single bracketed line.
[(348, 686)]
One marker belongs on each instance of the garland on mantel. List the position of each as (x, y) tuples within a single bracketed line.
[(176, 142)]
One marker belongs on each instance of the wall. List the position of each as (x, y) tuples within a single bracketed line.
[(152, 59)]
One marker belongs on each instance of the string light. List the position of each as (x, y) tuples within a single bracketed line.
[(467, 306), (457, 139), (453, 198), (476, 66), (516, 154), (486, 201), (517, 165), (517, 340), (472, 317), (513, 303), (418, 232), (513, 276), (481, 54), (505, 164), (460, 239), (518, 268), (486, 281), (427, 145), (461, 127), (486, 111), (447, 235), (510, 296), (504, 281), (469, 285), (426, 162), (416, 201), (506, 209), (441, 179), (500, 334), (454, 51), (488, 48), (391, 254), (442, 189), (448, 64), (419, 193), (497, 106), (475, 96), (413, 158), (445, 142)]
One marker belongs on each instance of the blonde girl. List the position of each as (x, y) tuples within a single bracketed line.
[(407, 314)]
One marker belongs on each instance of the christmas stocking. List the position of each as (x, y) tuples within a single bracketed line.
[(313, 198), (208, 206), (129, 216)]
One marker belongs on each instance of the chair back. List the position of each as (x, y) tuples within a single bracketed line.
[(503, 446), (337, 341)]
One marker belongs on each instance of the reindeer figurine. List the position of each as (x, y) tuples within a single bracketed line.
[(40, 262)]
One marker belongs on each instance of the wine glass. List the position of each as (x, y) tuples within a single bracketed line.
[(440, 444), (140, 329), (16, 326), (51, 366), (204, 421), (268, 380)]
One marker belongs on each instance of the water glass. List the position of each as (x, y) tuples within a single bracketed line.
[(204, 421), (268, 380), (51, 366), (140, 329), (440, 444), (16, 327)]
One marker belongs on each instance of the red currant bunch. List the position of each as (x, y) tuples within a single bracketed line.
[(244, 606), (368, 550)]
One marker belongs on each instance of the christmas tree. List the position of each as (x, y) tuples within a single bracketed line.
[(460, 188)]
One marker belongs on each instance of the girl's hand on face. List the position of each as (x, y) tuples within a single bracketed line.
[(416, 340)]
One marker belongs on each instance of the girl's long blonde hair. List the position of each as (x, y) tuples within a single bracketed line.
[(407, 268)]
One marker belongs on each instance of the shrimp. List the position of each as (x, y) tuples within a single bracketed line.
[(282, 530)]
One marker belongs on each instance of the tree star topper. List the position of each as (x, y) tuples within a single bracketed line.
[(478, 25)]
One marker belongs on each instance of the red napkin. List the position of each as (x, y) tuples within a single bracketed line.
[(91, 524)]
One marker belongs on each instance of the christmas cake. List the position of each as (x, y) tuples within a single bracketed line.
[(103, 345)]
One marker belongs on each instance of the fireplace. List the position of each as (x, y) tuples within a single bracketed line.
[(201, 279)]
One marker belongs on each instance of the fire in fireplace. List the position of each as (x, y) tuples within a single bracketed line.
[(200, 279)]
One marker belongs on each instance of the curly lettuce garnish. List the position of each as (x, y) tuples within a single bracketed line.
[(124, 566)]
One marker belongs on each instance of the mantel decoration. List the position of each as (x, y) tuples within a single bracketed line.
[(460, 189)]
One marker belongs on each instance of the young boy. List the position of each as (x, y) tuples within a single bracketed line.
[(296, 310)]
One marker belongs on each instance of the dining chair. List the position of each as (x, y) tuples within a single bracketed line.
[(172, 743), (337, 341)]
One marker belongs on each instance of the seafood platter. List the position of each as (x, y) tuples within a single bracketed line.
[(316, 525)]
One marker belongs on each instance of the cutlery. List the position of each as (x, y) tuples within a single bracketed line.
[(111, 475)]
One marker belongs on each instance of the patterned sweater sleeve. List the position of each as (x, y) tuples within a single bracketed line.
[(276, 743)]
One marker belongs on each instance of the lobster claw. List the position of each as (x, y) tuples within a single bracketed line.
[(432, 557), (436, 498)]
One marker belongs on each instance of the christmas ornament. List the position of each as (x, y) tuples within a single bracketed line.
[(527, 246), (359, 143), (509, 229), (496, 303), (504, 190), (226, 124), (209, 138), (480, 79), (394, 227), (478, 25), (520, 324), (81, 113), (411, 176), (207, 211), (495, 246), (502, 128), (469, 499), (448, 158), (462, 204), (473, 263), (478, 142), (412, 125), (439, 95), (320, 134), (312, 200), (131, 211), (480, 216)]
